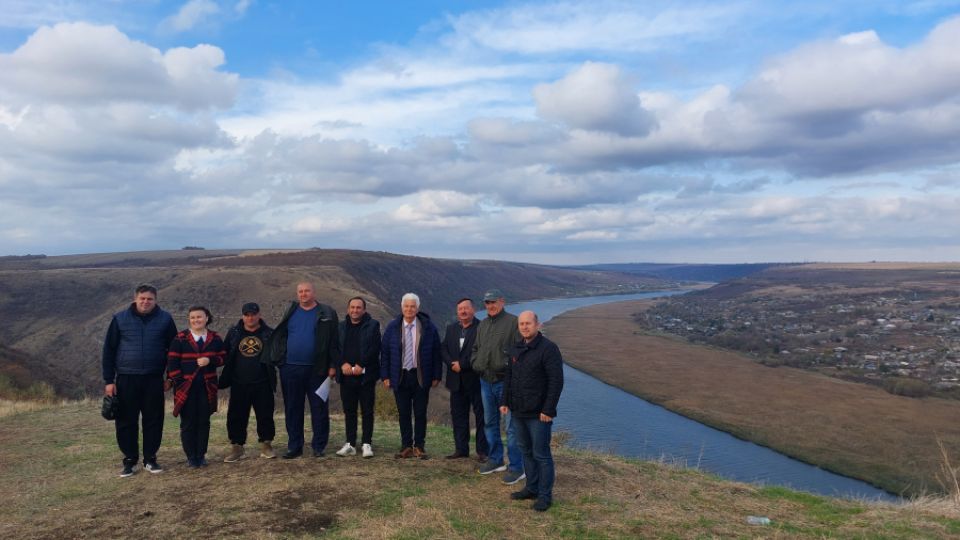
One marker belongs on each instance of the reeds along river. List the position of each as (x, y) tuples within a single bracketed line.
[(602, 417)]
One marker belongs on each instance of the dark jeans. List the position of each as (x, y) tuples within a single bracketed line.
[(195, 421), (242, 397), (297, 383), (141, 396), (533, 438), (352, 393), (412, 398), (461, 402)]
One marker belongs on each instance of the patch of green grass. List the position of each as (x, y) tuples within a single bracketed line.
[(822, 509), (471, 528), (951, 525), (415, 534), (390, 501)]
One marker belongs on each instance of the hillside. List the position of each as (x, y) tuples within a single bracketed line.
[(686, 272), (67, 487), (892, 325), (56, 309)]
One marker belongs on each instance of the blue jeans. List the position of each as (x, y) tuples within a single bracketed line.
[(299, 382), (491, 393), (534, 439)]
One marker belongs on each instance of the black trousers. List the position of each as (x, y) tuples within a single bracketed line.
[(141, 396), (412, 398), (461, 402), (195, 421), (242, 398), (352, 393)]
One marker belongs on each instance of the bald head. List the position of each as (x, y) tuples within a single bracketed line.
[(529, 325), (306, 295)]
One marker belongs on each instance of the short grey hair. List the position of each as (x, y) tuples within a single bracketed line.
[(410, 296)]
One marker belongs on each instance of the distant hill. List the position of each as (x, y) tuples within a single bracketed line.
[(686, 272), (56, 309)]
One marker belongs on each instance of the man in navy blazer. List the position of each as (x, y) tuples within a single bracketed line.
[(410, 365)]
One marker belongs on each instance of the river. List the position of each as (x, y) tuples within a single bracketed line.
[(604, 418)]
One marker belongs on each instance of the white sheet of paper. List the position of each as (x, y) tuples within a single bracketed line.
[(324, 390)]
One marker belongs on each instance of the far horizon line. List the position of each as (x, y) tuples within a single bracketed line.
[(268, 250)]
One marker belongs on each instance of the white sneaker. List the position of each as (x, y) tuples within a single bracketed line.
[(347, 450), (367, 450)]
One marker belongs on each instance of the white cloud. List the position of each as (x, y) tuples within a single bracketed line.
[(596, 97), (598, 26), (80, 63), (191, 14)]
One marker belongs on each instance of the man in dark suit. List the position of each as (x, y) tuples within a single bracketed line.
[(463, 383)]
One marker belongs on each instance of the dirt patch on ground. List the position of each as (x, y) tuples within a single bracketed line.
[(846, 427)]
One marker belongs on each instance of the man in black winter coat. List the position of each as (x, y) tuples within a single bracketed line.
[(463, 382), (358, 374), (531, 391), (251, 381)]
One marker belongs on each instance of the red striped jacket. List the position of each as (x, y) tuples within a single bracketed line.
[(182, 366)]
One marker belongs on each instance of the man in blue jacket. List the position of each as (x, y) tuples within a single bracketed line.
[(133, 361), (306, 347), (410, 364)]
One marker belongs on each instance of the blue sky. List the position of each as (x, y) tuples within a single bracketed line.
[(557, 132)]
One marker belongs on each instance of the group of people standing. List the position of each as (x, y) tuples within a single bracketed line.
[(500, 366)]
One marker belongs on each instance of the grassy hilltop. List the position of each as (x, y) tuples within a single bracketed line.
[(60, 464)]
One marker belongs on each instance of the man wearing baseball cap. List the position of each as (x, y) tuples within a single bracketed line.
[(251, 382)]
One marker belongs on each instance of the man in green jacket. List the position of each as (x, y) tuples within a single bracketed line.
[(496, 334)]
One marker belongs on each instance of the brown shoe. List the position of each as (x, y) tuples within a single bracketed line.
[(481, 458), (420, 453), (405, 453), (455, 455), (236, 453), (266, 450)]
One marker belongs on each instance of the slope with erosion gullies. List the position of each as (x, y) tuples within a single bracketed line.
[(58, 314), (440, 282), (59, 317)]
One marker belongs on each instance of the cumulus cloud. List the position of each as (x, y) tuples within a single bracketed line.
[(595, 97), (80, 63), (518, 123)]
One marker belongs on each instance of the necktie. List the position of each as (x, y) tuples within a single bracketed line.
[(408, 349), (200, 343)]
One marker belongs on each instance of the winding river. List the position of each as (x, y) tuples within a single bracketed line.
[(643, 430)]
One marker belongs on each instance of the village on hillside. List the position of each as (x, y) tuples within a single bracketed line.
[(907, 342)]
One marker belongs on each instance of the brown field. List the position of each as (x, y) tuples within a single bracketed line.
[(60, 465), (845, 427)]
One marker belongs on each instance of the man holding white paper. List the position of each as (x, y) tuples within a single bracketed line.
[(306, 347)]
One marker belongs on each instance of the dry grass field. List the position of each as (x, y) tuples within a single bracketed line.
[(853, 429), (60, 464)]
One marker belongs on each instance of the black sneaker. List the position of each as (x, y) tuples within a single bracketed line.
[(318, 453), (541, 505), (202, 462), (128, 470), (152, 466), (292, 455), (523, 495)]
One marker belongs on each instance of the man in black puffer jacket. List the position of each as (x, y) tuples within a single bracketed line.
[(531, 391)]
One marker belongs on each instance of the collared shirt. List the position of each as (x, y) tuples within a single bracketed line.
[(410, 345)]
